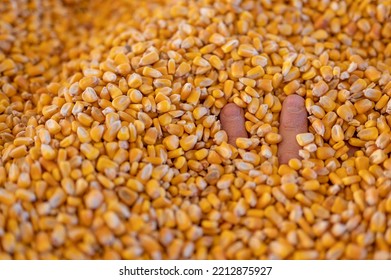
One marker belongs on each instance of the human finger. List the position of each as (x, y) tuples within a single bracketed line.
[(232, 121), (293, 121)]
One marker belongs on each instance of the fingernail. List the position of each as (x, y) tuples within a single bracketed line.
[(232, 111), (294, 109), (294, 104)]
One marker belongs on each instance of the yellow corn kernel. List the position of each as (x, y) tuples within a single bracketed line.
[(237, 69), (355, 142), (292, 87), (311, 73), (183, 69), (149, 58), (295, 164), (364, 105), (290, 189), (351, 180), (304, 139), (368, 134), (345, 112), (18, 152), (188, 142), (151, 136), (265, 85), (120, 103), (171, 142), (151, 72), (372, 94), (377, 157), (135, 80), (378, 222), (104, 163), (229, 46), (6, 65), (337, 133), (273, 138), (89, 151), (324, 153), (358, 85)]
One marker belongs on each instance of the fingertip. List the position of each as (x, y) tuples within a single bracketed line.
[(294, 99), (293, 114), (293, 120), (232, 121), (294, 103), (231, 110)]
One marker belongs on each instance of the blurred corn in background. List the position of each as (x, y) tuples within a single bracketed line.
[(111, 146)]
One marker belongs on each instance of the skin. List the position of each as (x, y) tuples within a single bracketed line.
[(232, 121), (293, 121)]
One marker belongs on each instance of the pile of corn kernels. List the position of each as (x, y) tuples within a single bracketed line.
[(111, 145)]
